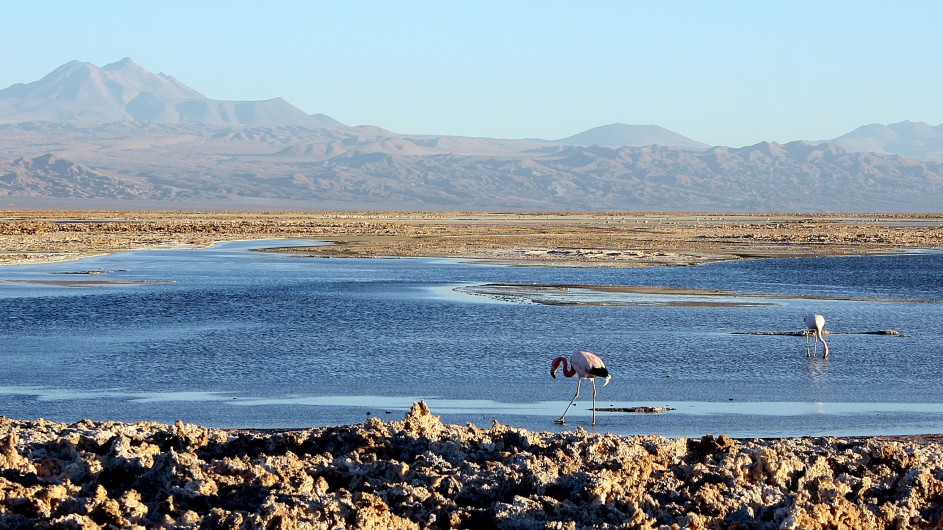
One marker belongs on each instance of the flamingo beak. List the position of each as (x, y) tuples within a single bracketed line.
[(553, 374), (607, 381)]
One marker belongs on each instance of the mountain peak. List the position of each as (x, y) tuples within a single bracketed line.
[(124, 91), (625, 135), (124, 64), (908, 138), (124, 61)]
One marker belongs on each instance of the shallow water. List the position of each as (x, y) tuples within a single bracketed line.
[(229, 337)]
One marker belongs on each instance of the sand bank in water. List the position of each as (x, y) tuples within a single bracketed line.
[(567, 239), (420, 473)]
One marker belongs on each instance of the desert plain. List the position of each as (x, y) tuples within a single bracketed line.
[(421, 473), (568, 239)]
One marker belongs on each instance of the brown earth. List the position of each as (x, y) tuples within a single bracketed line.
[(575, 239), (420, 473)]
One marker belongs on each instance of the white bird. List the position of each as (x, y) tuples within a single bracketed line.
[(587, 366), (816, 323)]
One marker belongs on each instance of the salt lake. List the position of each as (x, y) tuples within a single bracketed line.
[(230, 337)]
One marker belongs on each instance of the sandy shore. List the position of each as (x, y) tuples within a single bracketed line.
[(578, 239), (420, 473)]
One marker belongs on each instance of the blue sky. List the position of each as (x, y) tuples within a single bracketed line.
[(721, 72)]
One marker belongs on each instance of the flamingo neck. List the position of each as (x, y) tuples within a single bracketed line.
[(567, 371)]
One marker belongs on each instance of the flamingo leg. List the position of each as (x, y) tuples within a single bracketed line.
[(594, 400), (578, 381), (808, 353)]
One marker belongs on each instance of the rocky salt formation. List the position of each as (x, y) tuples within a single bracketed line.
[(420, 473)]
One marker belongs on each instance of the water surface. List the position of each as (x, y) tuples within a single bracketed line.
[(230, 337)]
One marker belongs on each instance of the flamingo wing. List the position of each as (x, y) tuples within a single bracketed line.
[(814, 321), (588, 364)]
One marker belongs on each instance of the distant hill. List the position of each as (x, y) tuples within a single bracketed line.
[(48, 176), (264, 166), (120, 136), (622, 135), (82, 92), (907, 138)]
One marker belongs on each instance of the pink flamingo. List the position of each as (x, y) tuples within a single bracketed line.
[(586, 365), (817, 324)]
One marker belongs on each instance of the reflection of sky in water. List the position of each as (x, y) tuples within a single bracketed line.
[(446, 406), (684, 418), (257, 339)]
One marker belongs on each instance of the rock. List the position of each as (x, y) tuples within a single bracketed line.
[(421, 473), (421, 422)]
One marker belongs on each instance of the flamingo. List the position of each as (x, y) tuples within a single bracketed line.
[(587, 366), (816, 323)]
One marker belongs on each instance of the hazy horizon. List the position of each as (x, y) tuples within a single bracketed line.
[(731, 74)]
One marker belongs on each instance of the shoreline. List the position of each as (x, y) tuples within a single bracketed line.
[(421, 473), (531, 239)]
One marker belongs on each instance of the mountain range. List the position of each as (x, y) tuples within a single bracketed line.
[(121, 136)]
